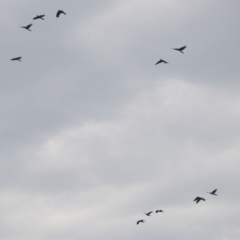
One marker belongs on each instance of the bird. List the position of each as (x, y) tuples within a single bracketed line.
[(16, 59), (140, 221), (180, 49), (148, 214), (213, 192), (159, 211), (39, 17), (59, 12), (27, 27), (198, 199), (160, 61)]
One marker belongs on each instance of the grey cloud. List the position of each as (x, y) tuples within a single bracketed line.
[(93, 133)]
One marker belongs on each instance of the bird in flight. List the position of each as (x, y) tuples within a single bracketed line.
[(180, 49), (39, 17), (16, 59), (198, 199), (140, 221), (148, 214), (213, 192), (160, 61), (159, 211), (27, 27), (59, 12)]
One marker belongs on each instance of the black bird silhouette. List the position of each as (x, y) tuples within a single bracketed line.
[(160, 61), (16, 59), (27, 27), (213, 192), (39, 17), (180, 49), (148, 214), (140, 221), (59, 12), (198, 199), (159, 211)]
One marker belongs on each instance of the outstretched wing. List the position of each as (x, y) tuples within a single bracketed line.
[(182, 48), (16, 58), (29, 25), (59, 12), (159, 61), (214, 191), (38, 17)]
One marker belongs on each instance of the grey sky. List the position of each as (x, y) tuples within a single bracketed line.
[(93, 134)]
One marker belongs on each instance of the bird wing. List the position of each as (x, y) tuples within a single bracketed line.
[(159, 61), (29, 25), (36, 18), (59, 12), (202, 199), (214, 191), (182, 48), (196, 199), (138, 222)]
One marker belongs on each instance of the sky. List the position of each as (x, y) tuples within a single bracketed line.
[(94, 134)]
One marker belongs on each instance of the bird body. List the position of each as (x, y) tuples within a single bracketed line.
[(27, 27), (159, 211), (59, 12), (148, 214), (140, 221), (16, 59), (198, 199), (180, 49), (39, 17), (161, 61), (213, 192)]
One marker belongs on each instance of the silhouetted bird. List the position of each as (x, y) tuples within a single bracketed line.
[(16, 59), (198, 199), (27, 27), (213, 192), (148, 214), (180, 49), (140, 221), (159, 211), (160, 61), (59, 12), (39, 17)]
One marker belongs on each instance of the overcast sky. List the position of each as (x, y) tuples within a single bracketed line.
[(94, 134)]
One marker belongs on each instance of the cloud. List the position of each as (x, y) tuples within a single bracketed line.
[(93, 134)]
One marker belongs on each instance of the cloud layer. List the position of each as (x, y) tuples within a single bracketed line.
[(93, 134)]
